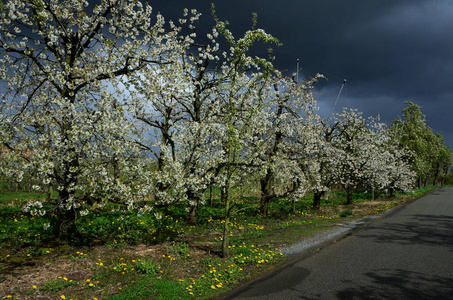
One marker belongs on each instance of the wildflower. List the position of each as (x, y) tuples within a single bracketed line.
[(63, 297), (35, 287)]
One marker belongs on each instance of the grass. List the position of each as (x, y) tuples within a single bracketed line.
[(148, 256)]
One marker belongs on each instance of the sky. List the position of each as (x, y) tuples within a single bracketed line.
[(389, 51)]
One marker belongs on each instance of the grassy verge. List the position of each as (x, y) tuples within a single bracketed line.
[(156, 255)]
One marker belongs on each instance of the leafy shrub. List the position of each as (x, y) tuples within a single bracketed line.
[(178, 248), (147, 266), (346, 213)]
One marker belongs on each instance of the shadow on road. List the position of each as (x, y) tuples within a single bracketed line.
[(427, 230), (400, 284)]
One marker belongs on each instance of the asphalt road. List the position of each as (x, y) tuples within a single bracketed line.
[(405, 255)]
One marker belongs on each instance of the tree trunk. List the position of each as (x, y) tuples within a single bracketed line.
[(349, 196), (420, 181), (296, 184), (266, 193), (192, 217), (68, 232), (67, 229), (264, 205), (392, 192), (49, 193), (226, 237), (293, 206), (426, 181), (226, 232), (210, 194), (444, 176), (317, 200), (436, 175)]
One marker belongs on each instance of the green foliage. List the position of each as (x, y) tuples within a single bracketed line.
[(55, 285), (178, 248), (147, 266), (346, 213), (429, 154), (119, 227)]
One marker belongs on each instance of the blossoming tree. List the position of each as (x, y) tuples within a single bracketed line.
[(367, 156), (61, 64), (186, 108)]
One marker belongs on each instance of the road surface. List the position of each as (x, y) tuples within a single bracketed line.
[(406, 255)]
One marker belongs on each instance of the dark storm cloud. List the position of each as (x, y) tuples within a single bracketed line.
[(389, 51)]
